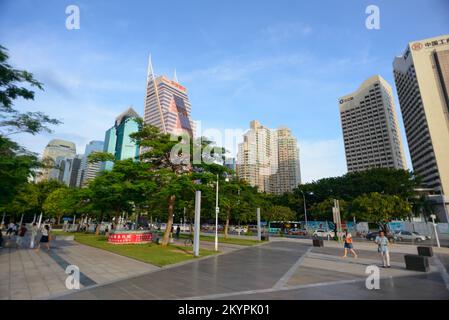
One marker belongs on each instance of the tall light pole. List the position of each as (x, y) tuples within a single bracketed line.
[(305, 207), (217, 210), (435, 229)]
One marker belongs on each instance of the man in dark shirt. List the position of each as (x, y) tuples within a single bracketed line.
[(21, 234)]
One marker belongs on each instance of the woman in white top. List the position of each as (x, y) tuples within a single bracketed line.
[(45, 237)]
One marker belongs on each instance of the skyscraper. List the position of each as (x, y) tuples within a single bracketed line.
[(422, 82), (370, 127), (288, 176), (55, 149), (269, 159), (167, 105), (89, 171), (118, 141), (69, 170)]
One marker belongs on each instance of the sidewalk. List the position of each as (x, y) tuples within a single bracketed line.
[(26, 274)]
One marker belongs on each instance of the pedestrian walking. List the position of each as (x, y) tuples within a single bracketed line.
[(45, 238), (10, 229), (34, 231), (21, 234), (1, 239), (178, 231), (348, 245), (382, 248)]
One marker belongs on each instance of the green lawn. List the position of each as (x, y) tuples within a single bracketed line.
[(149, 253), (242, 242)]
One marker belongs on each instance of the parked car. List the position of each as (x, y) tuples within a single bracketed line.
[(407, 235), (372, 236), (297, 232), (323, 233), (238, 229)]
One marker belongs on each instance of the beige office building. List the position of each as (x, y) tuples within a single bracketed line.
[(422, 82), (370, 127), (54, 152), (269, 159)]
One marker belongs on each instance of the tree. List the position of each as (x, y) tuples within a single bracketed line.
[(323, 210), (379, 208), (60, 202), (173, 166), (16, 163), (279, 213)]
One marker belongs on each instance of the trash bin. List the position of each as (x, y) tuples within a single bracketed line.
[(416, 263), (425, 251), (317, 242)]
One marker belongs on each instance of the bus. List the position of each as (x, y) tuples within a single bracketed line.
[(283, 226)]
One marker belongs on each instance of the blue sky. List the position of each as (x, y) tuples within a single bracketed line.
[(281, 62)]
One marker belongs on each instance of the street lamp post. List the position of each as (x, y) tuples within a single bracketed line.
[(217, 210), (305, 208), (435, 229)]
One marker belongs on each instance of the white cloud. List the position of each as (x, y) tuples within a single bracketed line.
[(285, 31), (241, 68)]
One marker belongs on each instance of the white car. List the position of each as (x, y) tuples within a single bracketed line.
[(238, 229), (407, 235), (323, 233)]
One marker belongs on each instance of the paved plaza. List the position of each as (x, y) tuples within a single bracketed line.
[(281, 269), (26, 274)]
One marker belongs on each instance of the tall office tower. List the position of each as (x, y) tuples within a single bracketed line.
[(422, 82), (74, 170), (118, 141), (269, 159), (88, 171), (167, 105), (91, 172), (370, 127), (69, 169), (257, 158), (288, 176), (54, 149)]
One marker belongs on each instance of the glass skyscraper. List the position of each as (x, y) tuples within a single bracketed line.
[(117, 139)]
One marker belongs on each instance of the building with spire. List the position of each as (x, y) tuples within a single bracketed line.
[(167, 104)]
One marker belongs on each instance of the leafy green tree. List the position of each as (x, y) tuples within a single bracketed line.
[(323, 210), (279, 213), (379, 208), (174, 163), (17, 164), (60, 202)]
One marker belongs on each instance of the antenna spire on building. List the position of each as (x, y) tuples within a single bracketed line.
[(175, 77), (150, 72)]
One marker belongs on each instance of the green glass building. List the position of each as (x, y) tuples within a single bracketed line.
[(117, 139)]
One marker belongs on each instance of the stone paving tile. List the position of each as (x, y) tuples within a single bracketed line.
[(217, 274), (27, 274)]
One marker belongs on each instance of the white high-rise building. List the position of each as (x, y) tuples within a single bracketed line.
[(370, 127), (269, 159), (89, 171), (422, 82)]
